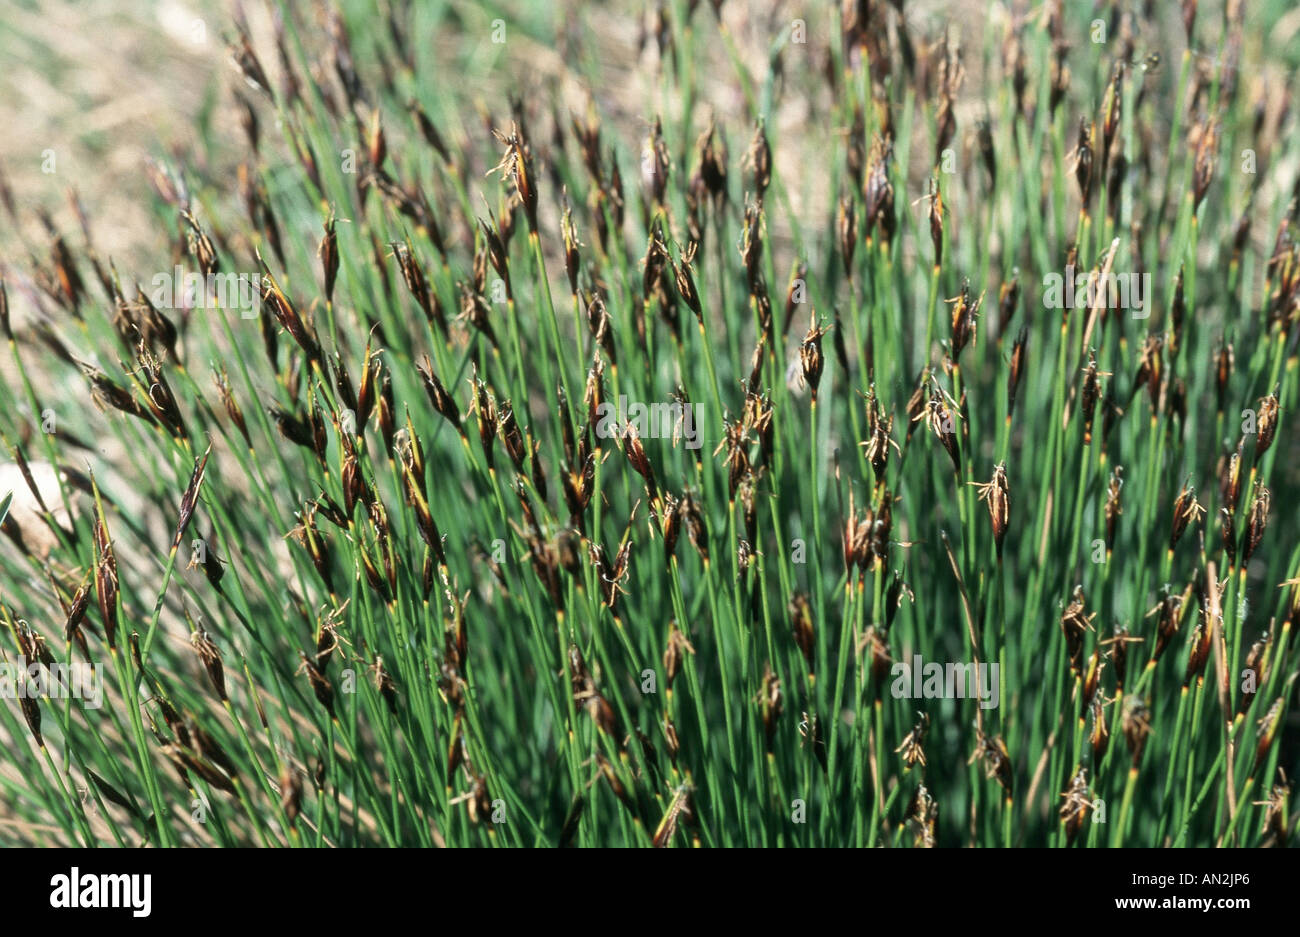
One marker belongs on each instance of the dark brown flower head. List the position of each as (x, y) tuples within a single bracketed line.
[(320, 684), (923, 818), (810, 357), (1206, 155), (1075, 623), (878, 194), (1016, 370), (674, 653), (511, 437), (965, 312), (1187, 510), (656, 163), (210, 657), (190, 499), (751, 243), (377, 146), (200, 244), (517, 166), (879, 438), (939, 417), (572, 258), (1150, 371), (881, 664), (1083, 164), (106, 589), (1255, 665), (996, 492), (1078, 804), (686, 281), (1135, 723), (935, 198), (328, 252), (801, 623), (1230, 480), (1256, 521), (713, 165), (992, 750), (912, 747), (1198, 651), (1223, 366), (846, 228), (1266, 424), (441, 400), (856, 539), (485, 411), (1266, 732), (1114, 505)]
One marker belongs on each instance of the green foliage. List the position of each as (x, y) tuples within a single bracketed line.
[(379, 577)]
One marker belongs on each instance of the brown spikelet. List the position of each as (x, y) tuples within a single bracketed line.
[(1187, 510), (320, 684), (105, 573), (1078, 804), (1256, 522), (992, 750), (210, 657), (912, 748), (1016, 370), (996, 492), (678, 645), (810, 357), (1266, 424)]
